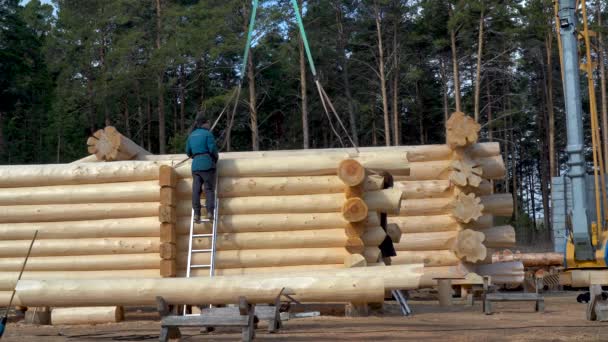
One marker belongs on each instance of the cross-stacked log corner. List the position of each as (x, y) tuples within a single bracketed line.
[(167, 215)]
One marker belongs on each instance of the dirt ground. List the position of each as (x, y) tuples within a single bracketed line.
[(563, 320)]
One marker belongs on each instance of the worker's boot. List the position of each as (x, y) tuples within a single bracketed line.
[(210, 213), (197, 218)]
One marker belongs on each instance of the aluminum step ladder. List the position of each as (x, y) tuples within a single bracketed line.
[(402, 301), (213, 235)]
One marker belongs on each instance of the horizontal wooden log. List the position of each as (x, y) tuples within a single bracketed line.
[(394, 232), (415, 153), (145, 191), (386, 201), (500, 236), (503, 273), (530, 259), (428, 258), (108, 144), (126, 227), (492, 168), (268, 257), (8, 280), (87, 315), (83, 263), (15, 176), (427, 241), (323, 203), (218, 290), (274, 223), (498, 204), (321, 238), (76, 212), (88, 159), (402, 277), (428, 279), (422, 224), (275, 186), (585, 278), (373, 236), (424, 189), (61, 247)]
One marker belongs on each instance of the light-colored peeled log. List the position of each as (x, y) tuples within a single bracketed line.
[(373, 236), (466, 172), (61, 247), (88, 159), (426, 206), (270, 240), (87, 315), (350, 172), (76, 212), (354, 210), (427, 241), (504, 272), (274, 186), (129, 227), (469, 245), (585, 278), (466, 208), (394, 232), (415, 153), (483, 222), (8, 280), (501, 236), (354, 260), (498, 204), (108, 144), (458, 271), (424, 189), (321, 203), (386, 201), (261, 270), (493, 168), (403, 277), (146, 191), (461, 130), (268, 257), (317, 165), (422, 224), (218, 290), (428, 258), (275, 222), (83, 263), (15, 176)]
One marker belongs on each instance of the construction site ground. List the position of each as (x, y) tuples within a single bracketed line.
[(563, 320)]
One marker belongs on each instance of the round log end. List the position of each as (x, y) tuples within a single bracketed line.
[(351, 172), (469, 246), (355, 245), (461, 130), (354, 210), (466, 207)]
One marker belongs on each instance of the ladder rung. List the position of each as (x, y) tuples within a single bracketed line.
[(200, 266), (205, 220), (202, 250), (201, 235)]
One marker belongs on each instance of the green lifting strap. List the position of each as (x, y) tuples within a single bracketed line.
[(254, 9), (296, 8)]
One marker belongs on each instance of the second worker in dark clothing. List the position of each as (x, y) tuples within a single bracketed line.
[(202, 149)]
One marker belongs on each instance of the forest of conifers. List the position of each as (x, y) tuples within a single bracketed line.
[(394, 70)]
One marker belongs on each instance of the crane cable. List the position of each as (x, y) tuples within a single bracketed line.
[(325, 100)]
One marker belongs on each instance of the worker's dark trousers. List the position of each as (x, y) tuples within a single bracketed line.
[(206, 179)]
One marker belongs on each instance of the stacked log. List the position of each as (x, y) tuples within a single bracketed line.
[(448, 207), (94, 220), (295, 214), (109, 145)]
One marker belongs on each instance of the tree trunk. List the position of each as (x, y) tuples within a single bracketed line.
[(140, 116), (148, 124), (444, 86), (478, 71), (455, 66), (303, 91), (603, 96), (253, 110), (182, 100), (396, 121), (345, 75), (381, 72), (553, 168), (490, 116), (201, 66), (2, 146), (159, 87), (127, 117)]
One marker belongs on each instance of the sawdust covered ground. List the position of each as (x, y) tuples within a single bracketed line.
[(564, 320)]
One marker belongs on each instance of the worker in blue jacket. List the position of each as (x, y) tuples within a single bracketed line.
[(201, 148)]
